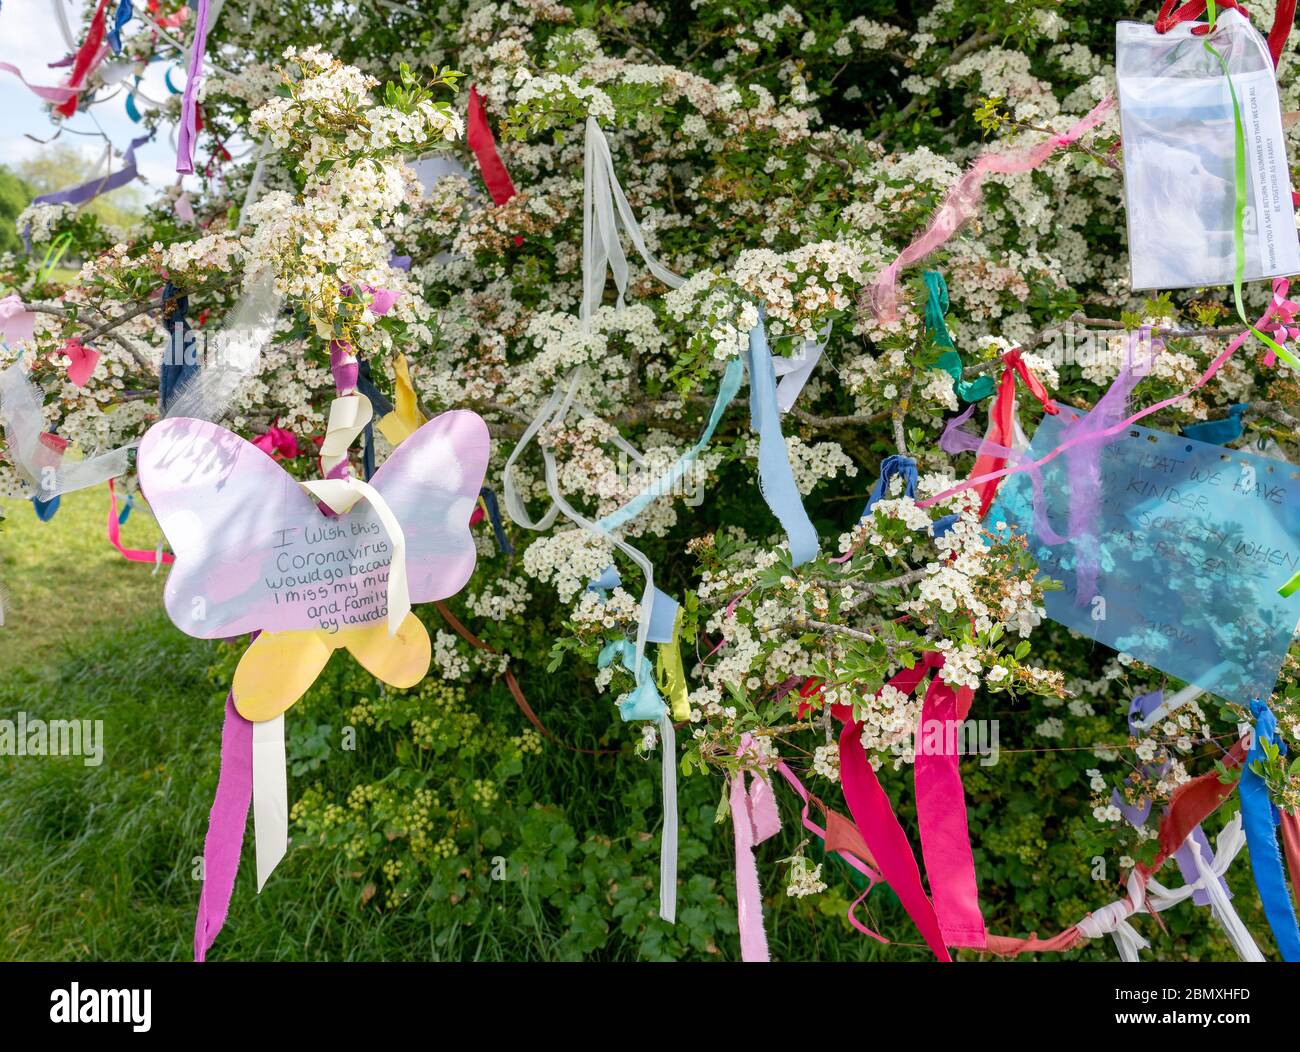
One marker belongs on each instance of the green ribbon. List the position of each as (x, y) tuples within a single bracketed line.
[(1239, 205), (936, 307)]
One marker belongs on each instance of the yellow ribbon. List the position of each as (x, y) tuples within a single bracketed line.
[(406, 417), (671, 675)]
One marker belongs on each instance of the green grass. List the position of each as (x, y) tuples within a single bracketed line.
[(99, 862)]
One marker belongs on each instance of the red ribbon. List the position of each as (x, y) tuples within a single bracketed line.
[(1277, 36), (87, 55), (1002, 422), (478, 133)]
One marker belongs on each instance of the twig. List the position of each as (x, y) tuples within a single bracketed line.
[(141, 359)]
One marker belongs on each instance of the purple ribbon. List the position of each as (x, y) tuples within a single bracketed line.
[(1139, 710), (189, 105), (79, 195), (1087, 437)]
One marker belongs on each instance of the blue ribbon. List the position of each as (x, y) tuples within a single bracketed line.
[(167, 79), (132, 110), (494, 517), (775, 478), (125, 12), (179, 361), (897, 465), (1260, 819), (379, 406), (1219, 432), (125, 513), (663, 611), (643, 702), (45, 509)]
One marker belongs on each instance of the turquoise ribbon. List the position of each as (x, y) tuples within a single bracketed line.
[(666, 482), (936, 309), (1219, 432), (1260, 819), (643, 702)]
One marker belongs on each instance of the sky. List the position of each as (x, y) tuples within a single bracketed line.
[(30, 38)]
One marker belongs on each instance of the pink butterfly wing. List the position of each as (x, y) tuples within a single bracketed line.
[(220, 502), (432, 481)]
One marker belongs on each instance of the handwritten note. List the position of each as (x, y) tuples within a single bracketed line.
[(1193, 541), (337, 572)]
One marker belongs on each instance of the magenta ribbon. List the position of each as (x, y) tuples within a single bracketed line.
[(941, 814), (226, 822), (189, 104), (754, 818), (874, 814)]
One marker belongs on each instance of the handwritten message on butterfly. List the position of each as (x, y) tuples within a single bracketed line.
[(338, 571), (255, 552), (1193, 541)]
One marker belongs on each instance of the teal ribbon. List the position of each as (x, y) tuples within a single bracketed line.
[(936, 310), (643, 702)]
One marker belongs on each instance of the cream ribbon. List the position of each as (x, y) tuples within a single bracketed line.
[(339, 495), (270, 797), (1154, 897)]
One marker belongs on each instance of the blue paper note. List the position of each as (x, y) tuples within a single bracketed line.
[(1194, 541)]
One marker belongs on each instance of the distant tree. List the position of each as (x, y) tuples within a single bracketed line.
[(14, 195)]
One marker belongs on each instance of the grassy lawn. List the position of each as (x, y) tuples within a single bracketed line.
[(99, 861)]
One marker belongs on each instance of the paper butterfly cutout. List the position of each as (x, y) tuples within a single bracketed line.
[(255, 552)]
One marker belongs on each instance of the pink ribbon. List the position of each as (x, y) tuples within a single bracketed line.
[(754, 818), (277, 442), (16, 321), (226, 822), (941, 815), (55, 95), (963, 200), (135, 555), (831, 840), (81, 361)]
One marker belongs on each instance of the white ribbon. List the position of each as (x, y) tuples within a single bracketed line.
[(42, 468), (1154, 897), (270, 797), (601, 247), (796, 369), (340, 494)]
